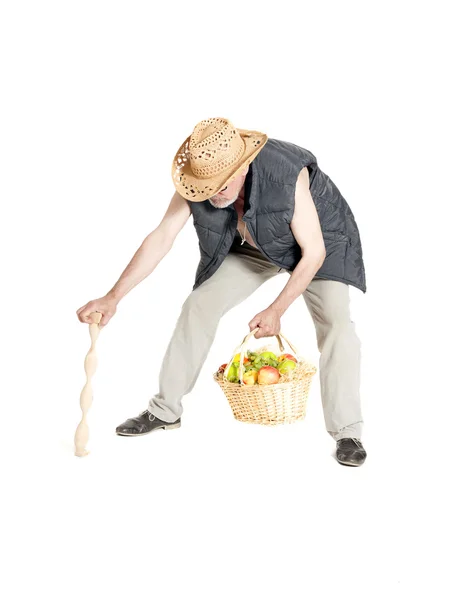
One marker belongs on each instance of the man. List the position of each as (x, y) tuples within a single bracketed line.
[(260, 207)]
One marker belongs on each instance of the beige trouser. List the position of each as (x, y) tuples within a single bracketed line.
[(241, 273)]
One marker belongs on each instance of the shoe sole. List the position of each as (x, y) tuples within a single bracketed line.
[(350, 464), (174, 426)]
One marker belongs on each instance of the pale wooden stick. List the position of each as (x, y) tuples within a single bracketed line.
[(90, 365)]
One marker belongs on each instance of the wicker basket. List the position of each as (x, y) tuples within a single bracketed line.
[(275, 404)]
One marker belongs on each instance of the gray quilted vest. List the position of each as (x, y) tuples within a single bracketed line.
[(269, 203)]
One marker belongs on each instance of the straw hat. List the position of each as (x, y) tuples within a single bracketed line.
[(213, 154)]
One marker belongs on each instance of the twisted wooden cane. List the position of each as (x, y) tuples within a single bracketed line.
[(90, 365)]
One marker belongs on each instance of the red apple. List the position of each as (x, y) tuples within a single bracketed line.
[(287, 357), (222, 368), (268, 375)]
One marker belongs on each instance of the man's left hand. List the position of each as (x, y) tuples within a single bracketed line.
[(268, 322)]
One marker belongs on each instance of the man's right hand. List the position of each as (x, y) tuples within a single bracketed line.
[(105, 305), (154, 247)]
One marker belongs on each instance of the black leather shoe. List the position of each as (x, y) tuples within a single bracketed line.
[(350, 451), (144, 423)]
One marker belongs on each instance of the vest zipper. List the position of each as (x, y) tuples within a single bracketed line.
[(252, 233), (219, 246)]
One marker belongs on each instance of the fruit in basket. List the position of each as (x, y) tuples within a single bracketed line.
[(222, 368), (233, 374), (263, 359), (268, 356), (283, 357), (250, 377), (237, 359), (268, 375), (286, 366)]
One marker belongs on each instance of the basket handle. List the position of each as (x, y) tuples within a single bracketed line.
[(242, 347)]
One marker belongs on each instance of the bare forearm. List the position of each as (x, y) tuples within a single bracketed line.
[(298, 282), (152, 250)]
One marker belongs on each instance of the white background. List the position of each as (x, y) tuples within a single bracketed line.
[(95, 99)]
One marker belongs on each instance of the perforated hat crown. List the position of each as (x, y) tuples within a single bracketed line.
[(213, 155)]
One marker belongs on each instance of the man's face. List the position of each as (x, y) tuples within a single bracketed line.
[(230, 192)]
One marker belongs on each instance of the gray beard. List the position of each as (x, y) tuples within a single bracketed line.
[(222, 203)]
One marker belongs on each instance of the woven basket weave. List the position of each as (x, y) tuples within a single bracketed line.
[(274, 404)]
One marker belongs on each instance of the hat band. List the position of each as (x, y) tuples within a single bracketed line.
[(224, 164)]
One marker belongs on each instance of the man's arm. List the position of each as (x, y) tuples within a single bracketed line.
[(154, 247), (305, 226)]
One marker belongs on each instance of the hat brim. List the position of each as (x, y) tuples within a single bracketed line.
[(197, 190)]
